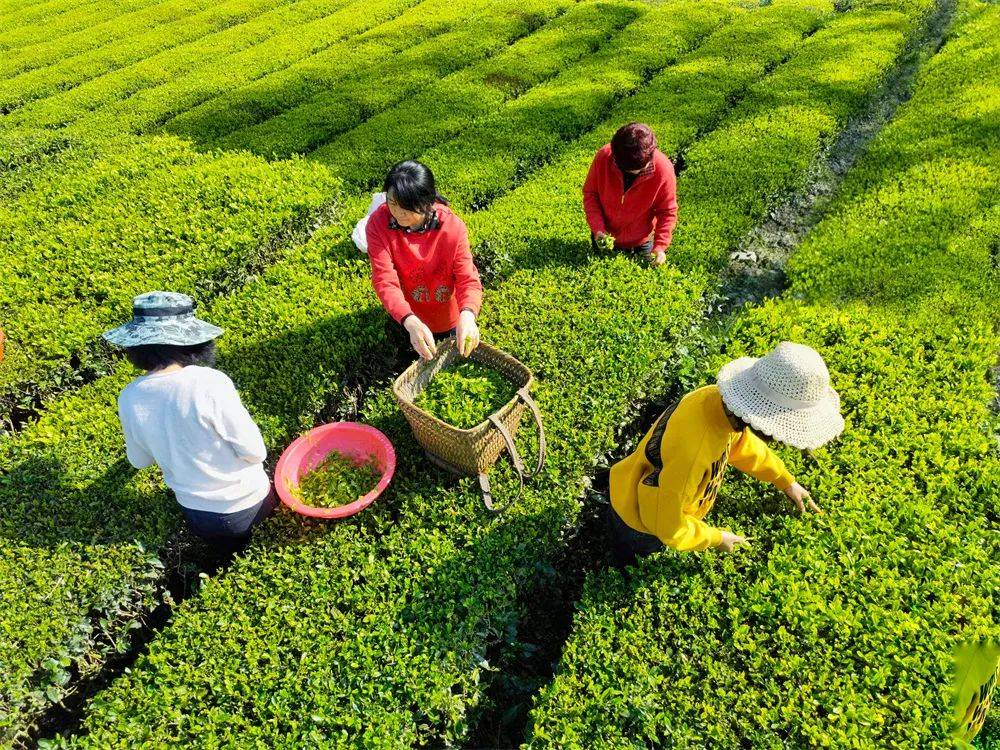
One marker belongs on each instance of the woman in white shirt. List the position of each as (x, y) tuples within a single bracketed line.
[(188, 419)]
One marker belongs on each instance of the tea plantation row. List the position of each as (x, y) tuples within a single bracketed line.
[(379, 629), (839, 631)]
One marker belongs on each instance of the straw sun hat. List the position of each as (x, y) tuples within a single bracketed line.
[(163, 318), (785, 394)]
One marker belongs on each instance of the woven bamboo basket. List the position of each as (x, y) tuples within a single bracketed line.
[(471, 452)]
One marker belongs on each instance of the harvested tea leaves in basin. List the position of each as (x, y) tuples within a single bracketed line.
[(464, 395), (337, 481)]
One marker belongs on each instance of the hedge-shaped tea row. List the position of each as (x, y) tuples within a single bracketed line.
[(42, 21), (369, 149), (856, 617), (354, 86), (96, 224), (433, 589), (418, 77), (276, 315), (255, 48), (52, 50), (21, 149), (259, 66), (524, 130), (68, 69)]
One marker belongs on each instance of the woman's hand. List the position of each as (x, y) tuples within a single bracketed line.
[(604, 241), (421, 338), (658, 258), (798, 495), (467, 333), (731, 541)]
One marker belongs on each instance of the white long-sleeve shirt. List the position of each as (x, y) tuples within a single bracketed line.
[(192, 424)]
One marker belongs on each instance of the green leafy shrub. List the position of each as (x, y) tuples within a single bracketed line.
[(27, 25), (464, 395), (146, 93), (54, 65), (427, 70), (85, 226), (53, 49), (443, 109)]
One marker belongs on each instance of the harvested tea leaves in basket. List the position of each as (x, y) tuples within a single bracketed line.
[(337, 481), (464, 395)]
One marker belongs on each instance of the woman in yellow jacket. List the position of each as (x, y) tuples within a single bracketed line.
[(661, 493)]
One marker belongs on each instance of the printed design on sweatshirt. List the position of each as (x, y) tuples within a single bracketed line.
[(421, 294), (979, 705), (715, 477), (654, 453), (442, 293)]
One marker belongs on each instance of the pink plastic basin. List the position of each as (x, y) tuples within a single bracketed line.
[(351, 439)]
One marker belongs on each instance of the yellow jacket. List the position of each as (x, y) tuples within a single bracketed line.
[(670, 482)]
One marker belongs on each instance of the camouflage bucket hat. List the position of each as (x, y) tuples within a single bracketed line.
[(163, 318)]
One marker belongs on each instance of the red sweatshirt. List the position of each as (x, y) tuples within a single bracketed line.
[(647, 209), (426, 273)]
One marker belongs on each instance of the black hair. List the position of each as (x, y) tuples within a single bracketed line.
[(157, 356), (412, 186), (741, 424)]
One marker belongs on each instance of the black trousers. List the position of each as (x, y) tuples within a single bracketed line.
[(627, 544)]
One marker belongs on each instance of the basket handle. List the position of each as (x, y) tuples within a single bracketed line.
[(537, 416), (515, 456)]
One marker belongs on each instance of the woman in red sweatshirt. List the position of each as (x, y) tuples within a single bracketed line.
[(422, 267), (630, 195)]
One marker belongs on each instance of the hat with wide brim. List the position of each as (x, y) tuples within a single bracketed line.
[(786, 395), (163, 318)]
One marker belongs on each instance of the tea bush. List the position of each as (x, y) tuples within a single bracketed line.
[(433, 584), (499, 151), (340, 104), (28, 25), (68, 69), (125, 100), (56, 47), (458, 100), (85, 226), (839, 632), (419, 78)]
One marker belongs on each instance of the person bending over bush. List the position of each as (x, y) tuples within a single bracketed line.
[(422, 268), (661, 493), (188, 419), (630, 195)]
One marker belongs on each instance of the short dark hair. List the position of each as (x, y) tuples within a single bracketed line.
[(633, 146), (156, 356), (412, 186)]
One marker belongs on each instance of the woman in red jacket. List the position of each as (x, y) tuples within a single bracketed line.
[(630, 195), (422, 267)]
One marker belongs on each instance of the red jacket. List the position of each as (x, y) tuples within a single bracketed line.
[(429, 273), (647, 209)]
